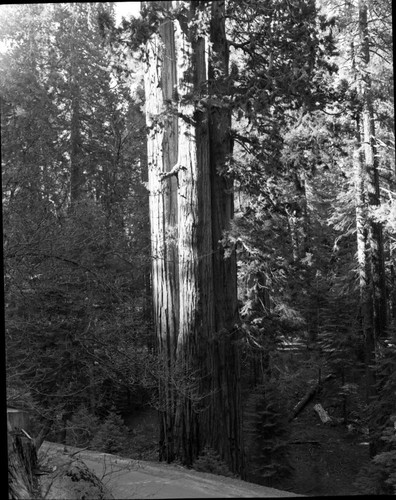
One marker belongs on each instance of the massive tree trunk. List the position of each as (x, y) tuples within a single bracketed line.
[(162, 151), (193, 278), (226, 405), (195, 264)]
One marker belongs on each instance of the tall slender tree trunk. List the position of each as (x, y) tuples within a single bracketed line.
[(75, 139), (304, 189), (375, 237), (75, 167), (373, 298), (293, 230), (365, 284), (393, 295)]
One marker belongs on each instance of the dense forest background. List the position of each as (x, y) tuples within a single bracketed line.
[(304, 92)]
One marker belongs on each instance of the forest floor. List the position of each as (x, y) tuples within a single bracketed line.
[(325, 458)]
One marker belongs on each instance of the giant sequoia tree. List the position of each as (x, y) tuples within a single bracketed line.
[(194, 276), (192, 93)]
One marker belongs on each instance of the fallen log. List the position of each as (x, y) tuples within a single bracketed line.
[(309, 396), (323, 415)]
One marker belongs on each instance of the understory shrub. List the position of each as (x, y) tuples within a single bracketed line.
[(81, 428), (112, 434), (85, 430), (379, 476), (143, 443), (210, 461), (266, 433)]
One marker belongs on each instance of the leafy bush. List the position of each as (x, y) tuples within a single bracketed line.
[(210, 461)]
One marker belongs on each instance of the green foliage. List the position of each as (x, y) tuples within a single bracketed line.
[(112, 435), (383, 406), (339, 338), (76, 290), (210, 461), (109, 434), (379, 476), (267, 429), (386, 215)]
